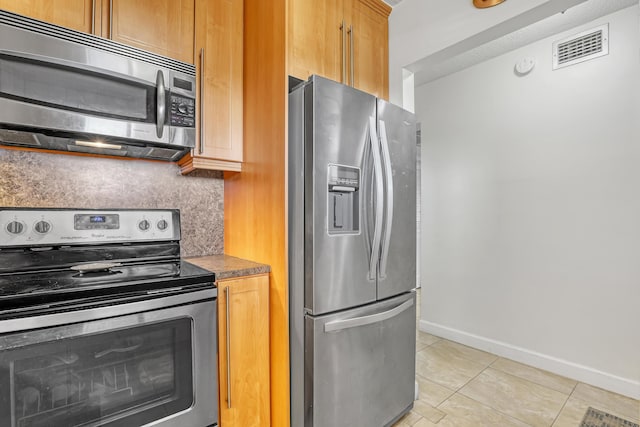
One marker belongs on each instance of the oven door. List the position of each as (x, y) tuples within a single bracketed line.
[(149, 365)]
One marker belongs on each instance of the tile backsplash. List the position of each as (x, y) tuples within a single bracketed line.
[(32, 179)]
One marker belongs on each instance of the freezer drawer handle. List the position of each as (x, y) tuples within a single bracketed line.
[(338, 325)]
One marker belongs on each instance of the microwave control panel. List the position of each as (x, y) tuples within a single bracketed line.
[(182, 111)]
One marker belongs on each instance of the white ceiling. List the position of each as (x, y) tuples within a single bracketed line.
[(442, 63)]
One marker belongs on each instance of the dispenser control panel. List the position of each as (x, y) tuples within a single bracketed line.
[(343, 188)]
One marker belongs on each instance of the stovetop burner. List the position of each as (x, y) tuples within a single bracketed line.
[(53, 256)]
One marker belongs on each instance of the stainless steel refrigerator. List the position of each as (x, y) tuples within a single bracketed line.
[(352, 256)]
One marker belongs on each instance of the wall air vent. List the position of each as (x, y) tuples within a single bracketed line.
[(581, 47)]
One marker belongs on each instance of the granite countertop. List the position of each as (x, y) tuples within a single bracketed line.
[(226, 267)]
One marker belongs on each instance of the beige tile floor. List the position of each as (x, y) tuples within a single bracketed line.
[(461, 386)]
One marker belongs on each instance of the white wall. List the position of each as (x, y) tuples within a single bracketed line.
[(531, 209), (419, 28)]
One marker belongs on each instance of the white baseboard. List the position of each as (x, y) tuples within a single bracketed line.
[(565, 368)]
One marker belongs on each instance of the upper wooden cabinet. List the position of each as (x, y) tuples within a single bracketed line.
[(161, 26), (344, 40), (80, 15), (317, 39), (369, 47), (165, 27), (218, 52)]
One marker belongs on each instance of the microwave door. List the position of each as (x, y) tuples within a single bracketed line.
[(59, 95)]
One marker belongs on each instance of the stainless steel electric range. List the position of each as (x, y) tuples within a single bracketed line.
[(102, 323)]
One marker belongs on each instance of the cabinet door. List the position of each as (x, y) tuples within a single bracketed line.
[(369, 39), (243, 324), (219, 64), (316, 39), (161, 26), (75, 14), (219, 37)]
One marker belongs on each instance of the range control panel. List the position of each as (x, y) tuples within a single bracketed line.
[(42, 227)]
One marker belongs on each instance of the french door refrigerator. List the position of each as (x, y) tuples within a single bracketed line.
[(352, 256)]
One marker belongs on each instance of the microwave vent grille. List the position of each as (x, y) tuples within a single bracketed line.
[(162, 153), (28, 24), (10, 137)]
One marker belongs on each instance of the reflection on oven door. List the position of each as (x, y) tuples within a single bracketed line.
[(127, 377)]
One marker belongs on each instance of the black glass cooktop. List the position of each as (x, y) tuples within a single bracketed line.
[(19, 291)]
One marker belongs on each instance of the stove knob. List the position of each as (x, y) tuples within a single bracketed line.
[(15, 227), (144, 225), (162, 225), (42, 227)]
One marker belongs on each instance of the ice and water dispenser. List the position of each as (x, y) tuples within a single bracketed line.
[(343, 186)]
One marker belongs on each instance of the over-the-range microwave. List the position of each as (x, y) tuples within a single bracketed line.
[(66, 90)]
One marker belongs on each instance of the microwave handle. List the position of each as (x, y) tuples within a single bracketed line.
[(161, 103)]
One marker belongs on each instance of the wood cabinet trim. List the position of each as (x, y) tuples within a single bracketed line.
[(254, 200), (189, 163), (378, 6), (229, 279)]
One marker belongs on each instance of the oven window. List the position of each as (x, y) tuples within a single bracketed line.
[(71, 89), (126, 377)]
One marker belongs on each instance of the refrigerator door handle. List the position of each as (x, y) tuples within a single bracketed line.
[(386, 159), (377, 172), (338, 325)]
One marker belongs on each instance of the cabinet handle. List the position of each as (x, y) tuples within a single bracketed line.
[(226, 295), (344, 52), (111, 19), (351, 52), (201, 146), (93, 17)]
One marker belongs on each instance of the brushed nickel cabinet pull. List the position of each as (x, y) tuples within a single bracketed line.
[(111, 19), (93, 17), (344, 52), (226, 295), (352, 55), (201, 146)]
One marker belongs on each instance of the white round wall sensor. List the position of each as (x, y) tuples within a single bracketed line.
[(525, 65)]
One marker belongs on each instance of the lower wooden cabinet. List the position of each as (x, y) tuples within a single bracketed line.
[(243, 348)]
